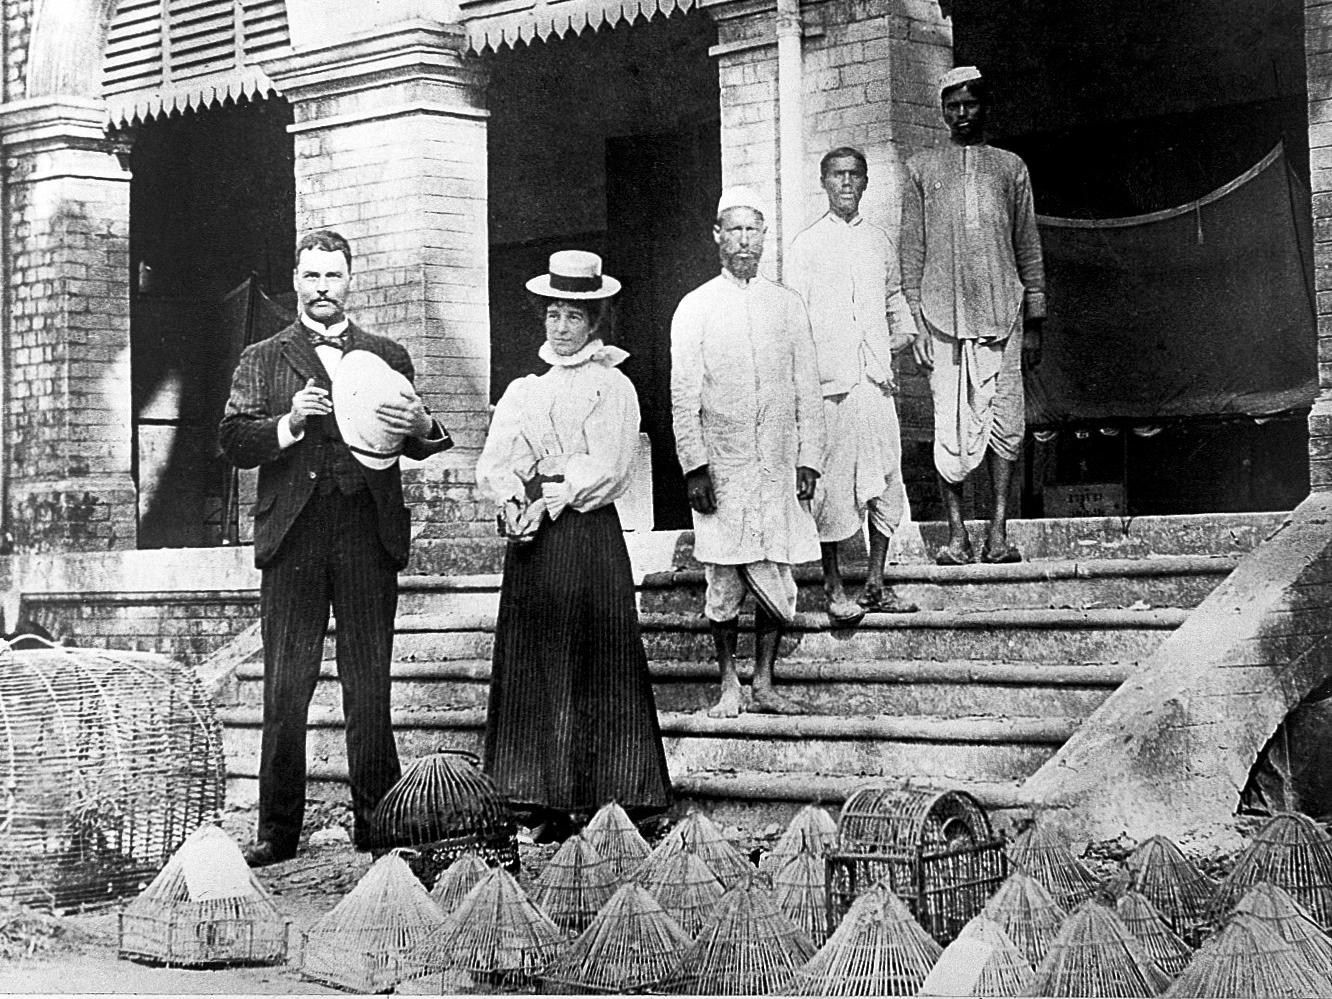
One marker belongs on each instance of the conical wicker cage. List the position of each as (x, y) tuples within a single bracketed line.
[(682, 884), (982, 961), (747, 947), (1159, 871), (631, 945), (497, 936), (617, 839), (878, 949), (1162, 944), (205, 907), (360, 945), (699, 835), (1095, 954), (1248, 959), (1271, 905), (812, 830), (443, 806), (1043, 854), (574, 885), (1292, 852), (109, 760), (460, 877), (1027, 913), (801, 891)]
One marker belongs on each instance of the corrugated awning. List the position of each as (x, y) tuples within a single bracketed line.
[(493, 24)]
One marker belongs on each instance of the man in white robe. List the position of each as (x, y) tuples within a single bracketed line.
[(749, 432), (845, 268)]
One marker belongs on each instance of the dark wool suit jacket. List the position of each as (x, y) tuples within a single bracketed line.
[(268, 375)]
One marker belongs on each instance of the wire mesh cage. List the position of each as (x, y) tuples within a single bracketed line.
[(1292, 852), (1043, 853), (360, 944), (204, 908), (934, 848), (746, 947), (1163, 945), (442, 807), (1095, 954), (108, 761), (616, 838), (812, 830), (683, 885), (574, 885), (981, 961), (1251, 960), (1271, 905), (879, 949), (1027, 913), (1162, 874), (630, 946), (460, 877)]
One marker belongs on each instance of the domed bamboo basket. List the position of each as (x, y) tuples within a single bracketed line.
[(1044, 854), (1162, 944), (683, 885), (811, 830), (1271, 905), (802, 894), (1026, 912), (1159, 871), (1095, 954), (574, 885), (617, 839), (1248, 960), (1292, 852), (460, 877), (982, 961), (699, 835)]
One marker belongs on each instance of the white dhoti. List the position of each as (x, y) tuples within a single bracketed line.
[(772, 584), (979, 402), (862, 465)]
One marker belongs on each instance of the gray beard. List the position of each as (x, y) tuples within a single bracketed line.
[(742, 270)]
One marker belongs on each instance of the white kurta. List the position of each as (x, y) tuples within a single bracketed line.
[(582, 409), (746, 402)]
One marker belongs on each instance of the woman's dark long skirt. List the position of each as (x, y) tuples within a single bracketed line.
[(572, 724)]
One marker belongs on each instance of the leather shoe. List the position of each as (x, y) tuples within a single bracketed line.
[(263, 852)]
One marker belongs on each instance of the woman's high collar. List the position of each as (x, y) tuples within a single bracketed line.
[(593, 350)]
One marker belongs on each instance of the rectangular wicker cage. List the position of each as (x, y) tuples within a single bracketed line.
[(933, 847), (107, 761)]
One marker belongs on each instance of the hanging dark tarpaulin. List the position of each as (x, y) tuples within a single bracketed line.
[(1201, 310)]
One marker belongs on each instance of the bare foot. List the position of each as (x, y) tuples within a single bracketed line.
[(769, 702), (728, 705)]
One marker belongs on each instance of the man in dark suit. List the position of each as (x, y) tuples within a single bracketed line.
[(328, 531)]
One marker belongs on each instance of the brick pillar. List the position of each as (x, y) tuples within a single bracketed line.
[(390, 142), (66, 349), (1318, 60)]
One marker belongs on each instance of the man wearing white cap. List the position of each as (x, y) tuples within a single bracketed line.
[(749, 432), (330, 530), (973, 275), (845, 268)]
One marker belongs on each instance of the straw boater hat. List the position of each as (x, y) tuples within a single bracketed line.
[(363, 381), (574, 274), (957, 76)]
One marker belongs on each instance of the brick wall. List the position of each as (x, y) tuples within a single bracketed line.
[(1318, 59), (18, 24)]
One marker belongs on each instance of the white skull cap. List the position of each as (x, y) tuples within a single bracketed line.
[(957, 76), (741, 197)]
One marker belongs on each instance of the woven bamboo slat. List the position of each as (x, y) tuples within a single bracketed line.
[(1027, 913), (1269, 904), (699, 835), (878, 949), (982, 961), (496, 935), (746, 947), (812, 830), (1162, 874), (801, 891), (617, 839), (460, 877), (574, 885), (110, 759), (1043, 854), (360, 944), (1248, 959), (204, 908), (632, 945), (1292, 852), (1162, 944), (1095, 954), (682, 884)]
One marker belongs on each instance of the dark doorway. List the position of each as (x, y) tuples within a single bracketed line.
[(660, 191)]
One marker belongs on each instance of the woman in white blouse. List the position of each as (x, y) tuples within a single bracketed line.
[(571, 722)]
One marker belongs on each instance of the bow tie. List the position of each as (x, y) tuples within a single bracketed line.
[(316, 340)]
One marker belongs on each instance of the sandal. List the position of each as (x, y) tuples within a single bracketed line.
[(845, 613), (952, 556), (874, 602), (1005, 556)]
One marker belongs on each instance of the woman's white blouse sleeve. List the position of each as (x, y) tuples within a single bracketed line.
[(611, 433), (506, 453)]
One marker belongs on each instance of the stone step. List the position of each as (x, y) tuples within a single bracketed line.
[(1024, 634), (957, 687), (1158, 581)]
